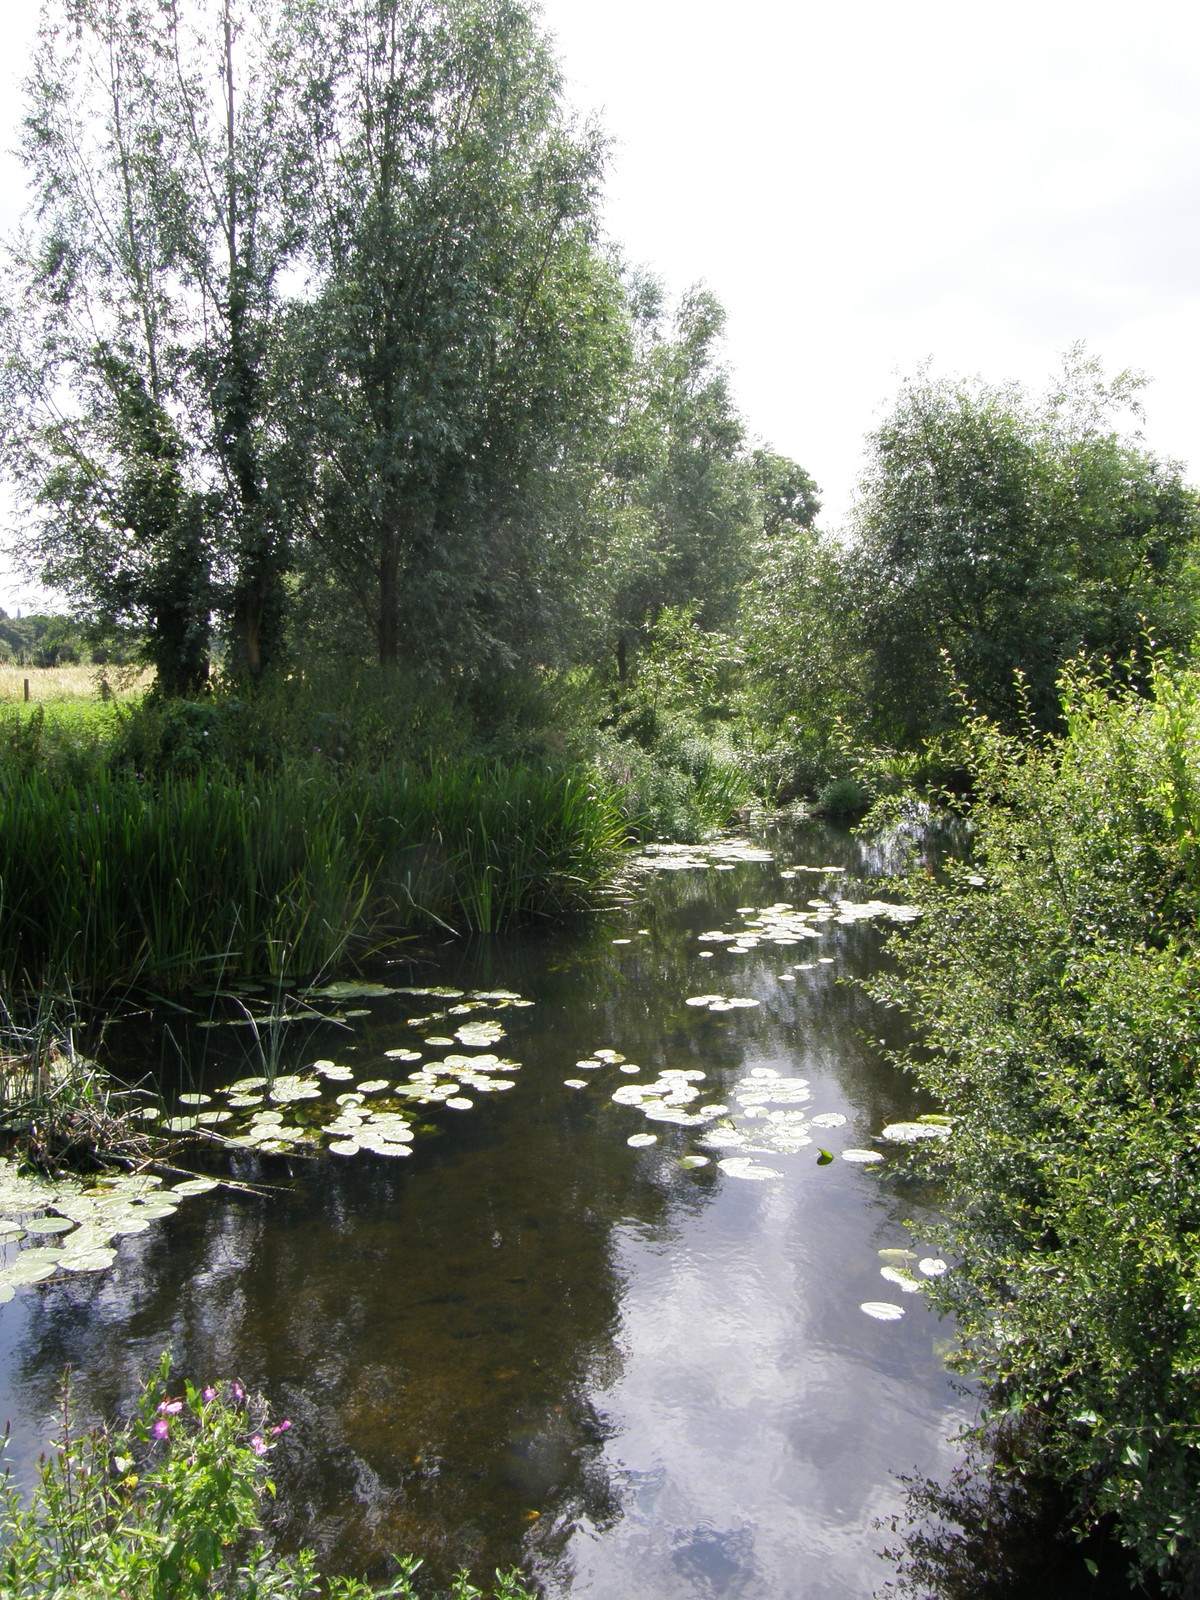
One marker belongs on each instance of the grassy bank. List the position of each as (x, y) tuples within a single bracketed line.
[(109, 880), (1057, 982)]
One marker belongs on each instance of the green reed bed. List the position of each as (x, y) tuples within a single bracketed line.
[(112, 881)]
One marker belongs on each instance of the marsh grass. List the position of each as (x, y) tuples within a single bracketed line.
[(57, 1107), (108, 881)]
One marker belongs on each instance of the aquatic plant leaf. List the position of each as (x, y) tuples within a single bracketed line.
[(344, 1147), (373, 1085), (744, 1167), (896, 1257), (575, 1083), (882, 1310), (43, 1225), (348, 990), (862, 1158), (180, 1124), (689, 1163), (932, 1266), (460, 1103), (639, 1141), (195, 1099), (87, 1260), (913, 1132), (398, 1055), (902, 1279), (194, 1186), (828, 1119)]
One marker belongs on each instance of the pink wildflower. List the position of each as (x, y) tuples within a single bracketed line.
[(281, 1427), (238, 1392), (161, 1428), (210, 1394), (259, 1445), (171, 1407)]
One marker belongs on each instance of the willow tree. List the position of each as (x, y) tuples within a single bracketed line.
[(466, 331), (140, 312)]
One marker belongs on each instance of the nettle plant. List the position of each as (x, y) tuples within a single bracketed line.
[(167, 1507)]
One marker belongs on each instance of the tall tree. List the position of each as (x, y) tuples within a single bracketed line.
[(141, 309), (467, 329), (1009, 535)]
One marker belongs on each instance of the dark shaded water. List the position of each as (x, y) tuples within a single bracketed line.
[(530, 1342)]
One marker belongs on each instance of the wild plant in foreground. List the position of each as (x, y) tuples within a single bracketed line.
[(166, 1508)]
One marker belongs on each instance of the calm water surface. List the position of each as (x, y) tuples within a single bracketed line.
[(530, 1342)]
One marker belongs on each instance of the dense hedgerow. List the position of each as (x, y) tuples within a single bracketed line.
[(1057, 981)]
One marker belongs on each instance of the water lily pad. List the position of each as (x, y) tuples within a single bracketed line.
[(744, 1167), (332, 1073), (195, 1099), (44, 1225), (373, 1085), (639, 1141), (22, 1272), (194, 1186), (913, 1132), (932, 1266), (897, 1258), (902, 1279), (87, 1260), (862, 1157), (397, 1055), (575, 1083), (288, 1087), (689, 1163), (244, 1086), (882, 1310), (828, 1119), (439, 1041), (243, 1102), (180, 1124), (460, 1103), (345, 1147), (208, 1119), (347, 990)]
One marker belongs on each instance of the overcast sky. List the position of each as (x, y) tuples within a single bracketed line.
[(869, 185)]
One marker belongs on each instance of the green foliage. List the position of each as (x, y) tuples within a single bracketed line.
[(165, 1508), (996, 536), (1057, 983), (115, 880)]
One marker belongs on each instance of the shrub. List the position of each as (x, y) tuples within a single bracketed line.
[(1057, 981)]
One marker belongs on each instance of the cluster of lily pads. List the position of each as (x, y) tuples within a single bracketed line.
[(305, 1112), (896, 1271), (785, 925), (723, 856), (82, 1219)]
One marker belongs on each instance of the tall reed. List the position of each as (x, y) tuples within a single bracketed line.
[(110, 881)]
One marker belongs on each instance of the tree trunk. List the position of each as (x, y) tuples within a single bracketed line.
[(389, 599)]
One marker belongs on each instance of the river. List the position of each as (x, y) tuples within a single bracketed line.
[(530, 1341)]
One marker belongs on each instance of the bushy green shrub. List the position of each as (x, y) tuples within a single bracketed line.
[(1057, 982), (167, 1508)]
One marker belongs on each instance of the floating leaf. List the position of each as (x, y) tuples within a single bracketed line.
[(882, 1310), (42, 1225), (902, 1279), (87, 1260), (689, 1163), (862, 1157), (345, 1147), (897, 1257), (639, 1141), (373, 1085), (932, 1266), (744, 1167), (397, 1055), (575, 1083), (460, 1103), (193, 1186), (913, 1132), (195, 1099), (824, 1157), (828, 1119)]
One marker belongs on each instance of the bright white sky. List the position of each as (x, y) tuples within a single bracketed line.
[(868, 185)]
